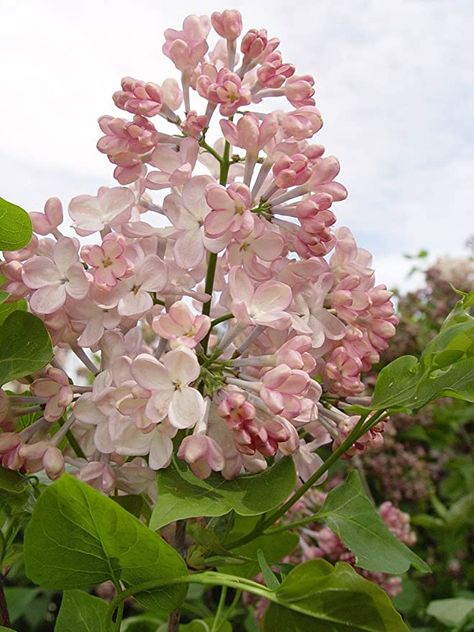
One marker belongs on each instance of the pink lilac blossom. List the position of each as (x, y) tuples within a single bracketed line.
[(212, 302)]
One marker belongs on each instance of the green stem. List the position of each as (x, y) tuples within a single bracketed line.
[(357, 432), (212, 261), (293, 525), (118, 620), (208, 578), (221, 319), (211, 151), (225, 165), (72, 441), (220, 609)]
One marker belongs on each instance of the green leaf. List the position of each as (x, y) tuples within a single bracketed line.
[(274, 548), (445, 368), (183, 495), (25, 346), (3, 629), (81, 612), (269, 576), (141, 623), (78, 538), (461, 513), (319, 597), (451, 612), (15, 489), (395, 383), (350, 514), (134, 504), (19, 599), (7, 308), (15, 226)]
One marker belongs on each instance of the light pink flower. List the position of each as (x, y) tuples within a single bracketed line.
[(261, 245), (180, 326), (282, 390), (250, 133), (187, 212), (230, 210), (150, 275), (264, 305), (110, 207), (223, 88), (98, 475), (108, 260), (92, 319), (55, 386), (175, 164), (55, 279), (168, 381), (310, 317)]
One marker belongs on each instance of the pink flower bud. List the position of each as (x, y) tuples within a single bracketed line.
[(138, 97), (254, 43), (45, 223), (53, 462), (194, 125), (299, 90), (227, 24), (202, 454), (273, 73)]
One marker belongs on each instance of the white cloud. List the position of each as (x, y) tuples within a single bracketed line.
[(394, 86)]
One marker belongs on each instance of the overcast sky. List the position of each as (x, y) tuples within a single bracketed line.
[(394, 84)]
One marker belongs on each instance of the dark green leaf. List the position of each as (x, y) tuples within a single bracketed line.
[(15, 489), (183, 495), (350, 514), (78, 538), (18, 600), (25, 346), (15, 226), (141, 623), (319, 597), (81, 612), (3, 629)]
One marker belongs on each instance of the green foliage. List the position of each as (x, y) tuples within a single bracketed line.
[(15, 489), (78, 538), (7, 308), (446, 367), (15, 226), (183, 495), (25, 346), (81, 612), (350, 514), (451, 612), (320, 597)]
